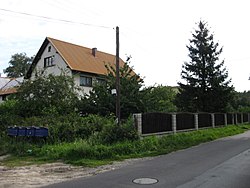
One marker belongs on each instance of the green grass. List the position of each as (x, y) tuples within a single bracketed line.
[(83, 153)]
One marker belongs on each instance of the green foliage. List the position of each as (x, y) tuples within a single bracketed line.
[(243, 101), (207, 86), (111, 133), (71, 127), (8, 117), (101, 101), (18, 65), (159, 99), (47, 95), (81, 152)]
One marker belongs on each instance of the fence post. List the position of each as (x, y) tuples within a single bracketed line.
[(213, 122), (138, 122), (196, 121), (174, 123), (232, 118), (225, 118)]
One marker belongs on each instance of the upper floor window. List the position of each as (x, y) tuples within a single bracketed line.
[(49, 49), (49, 61), (85, 81)]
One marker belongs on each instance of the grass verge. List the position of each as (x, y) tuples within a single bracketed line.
[(84, 153)]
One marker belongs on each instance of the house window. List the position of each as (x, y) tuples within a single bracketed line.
[(49, 61), (4, 98), (85, 81), (100, 81), (49, 49)]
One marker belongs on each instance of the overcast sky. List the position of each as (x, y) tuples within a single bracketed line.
[(154, 32)]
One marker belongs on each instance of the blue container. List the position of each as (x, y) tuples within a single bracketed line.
[(41, 132), (31, 131), (22, 131), (13, 131)]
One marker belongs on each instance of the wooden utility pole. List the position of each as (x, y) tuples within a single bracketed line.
[(118, 110)]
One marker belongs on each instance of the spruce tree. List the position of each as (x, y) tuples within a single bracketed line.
[(206, 87)]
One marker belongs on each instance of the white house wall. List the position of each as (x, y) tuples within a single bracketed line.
[(59, 64), (83, 89)]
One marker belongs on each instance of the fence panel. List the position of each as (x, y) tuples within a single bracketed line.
[(185, 121), (156, 122), (162, 122), (239, 120), (245, 118), (230, 119), (219, 119), (204, 120)]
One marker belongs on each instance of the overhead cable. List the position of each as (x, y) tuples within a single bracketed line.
[(55, 19)]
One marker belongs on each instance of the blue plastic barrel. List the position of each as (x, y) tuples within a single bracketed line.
[(12, 131), (31, 131), (22, 131), (41, 132)]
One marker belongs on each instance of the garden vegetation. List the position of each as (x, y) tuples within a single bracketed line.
[(83, 130)]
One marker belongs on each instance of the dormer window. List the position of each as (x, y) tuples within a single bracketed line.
[(49, 61), (49, 49)]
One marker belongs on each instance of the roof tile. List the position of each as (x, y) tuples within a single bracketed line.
[(80, 58)]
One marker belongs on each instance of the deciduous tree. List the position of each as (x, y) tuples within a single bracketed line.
[(47, 95), (18, 65), (101, 101), (159, 99)]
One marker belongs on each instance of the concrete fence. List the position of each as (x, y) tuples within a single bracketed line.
[(163, 123)]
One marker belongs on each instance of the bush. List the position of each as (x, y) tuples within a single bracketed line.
[(72, 127), (47, 94), (8, 116), (112, 133)]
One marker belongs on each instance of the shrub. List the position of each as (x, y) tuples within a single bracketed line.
[(8, 116), (69, 128), (47, 94), (112, 133)]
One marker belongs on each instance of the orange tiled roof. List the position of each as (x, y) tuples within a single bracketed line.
[(77, 57), (8, 91), (80, 58)]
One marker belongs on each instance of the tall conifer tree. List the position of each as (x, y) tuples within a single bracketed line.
[(207, 87)]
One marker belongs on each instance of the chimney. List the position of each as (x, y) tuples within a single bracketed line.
[(94, 51)]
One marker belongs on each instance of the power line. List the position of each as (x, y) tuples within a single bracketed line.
[(55, 19)]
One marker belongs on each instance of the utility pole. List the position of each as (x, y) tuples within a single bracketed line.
[(118, 108)]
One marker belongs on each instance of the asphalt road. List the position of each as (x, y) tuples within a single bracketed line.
[(221, 163)]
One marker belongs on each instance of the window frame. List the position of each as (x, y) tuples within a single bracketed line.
[(88, 82), (101, 81), (49, 61)]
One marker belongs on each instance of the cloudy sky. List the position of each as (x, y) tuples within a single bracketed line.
[(154, 32)]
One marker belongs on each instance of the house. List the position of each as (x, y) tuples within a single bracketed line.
[(3, 81), (85, 65), (9, 86)]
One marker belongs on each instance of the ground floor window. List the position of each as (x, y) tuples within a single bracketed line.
[(4, 97), (101, 81), (85, 81)]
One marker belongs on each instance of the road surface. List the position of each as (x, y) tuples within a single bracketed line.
[(221, 163)]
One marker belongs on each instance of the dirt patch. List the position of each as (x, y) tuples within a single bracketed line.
[(41, 175)]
